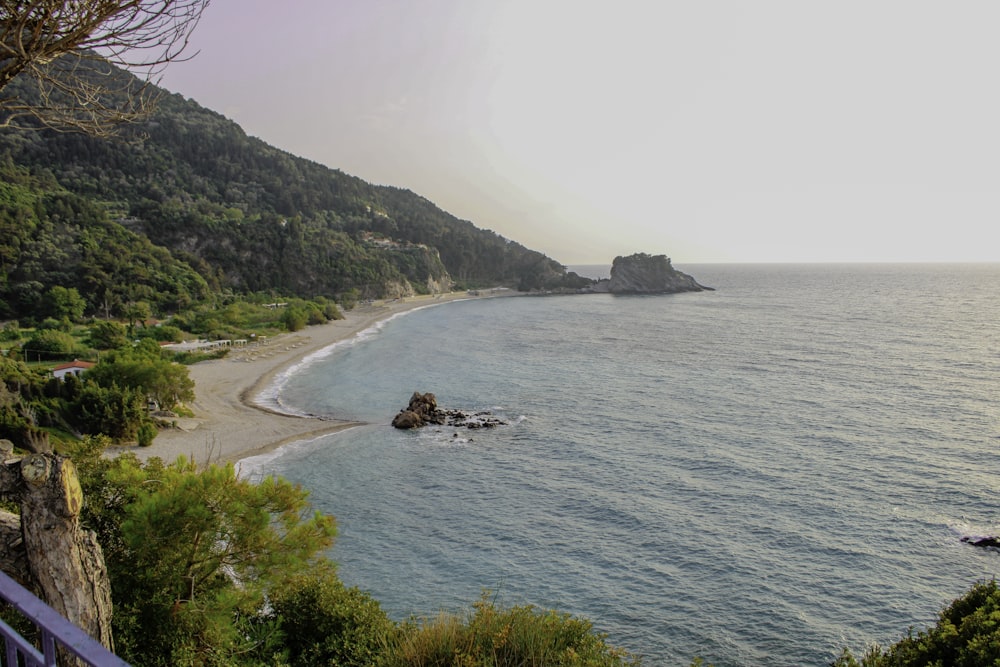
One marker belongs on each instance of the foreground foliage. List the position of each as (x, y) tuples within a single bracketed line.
[(323, 622), (210, 569), (193, 554), (493, 636), (213, 570), (967, 634)]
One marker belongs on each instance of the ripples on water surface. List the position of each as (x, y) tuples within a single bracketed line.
[(759, 475)]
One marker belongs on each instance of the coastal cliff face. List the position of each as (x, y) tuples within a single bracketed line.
[(647, 274)]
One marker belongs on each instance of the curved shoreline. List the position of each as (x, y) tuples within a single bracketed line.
[(229, 424)]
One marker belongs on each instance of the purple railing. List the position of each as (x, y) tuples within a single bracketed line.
[(53, 628)]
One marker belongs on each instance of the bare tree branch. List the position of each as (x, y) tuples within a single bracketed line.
[(70, 49)]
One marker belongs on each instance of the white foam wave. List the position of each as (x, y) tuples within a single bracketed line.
[(975, 531), (254, 468)]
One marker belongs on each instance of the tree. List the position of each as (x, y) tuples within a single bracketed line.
[(194, 554), (51, 344), (62, 302), (165, 382), (137, 311), (112, 410), (107, 335), (70, 48)]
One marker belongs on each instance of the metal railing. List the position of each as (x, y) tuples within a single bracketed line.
[(53, 629)]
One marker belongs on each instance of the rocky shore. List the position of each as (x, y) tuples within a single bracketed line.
[(423, 410)]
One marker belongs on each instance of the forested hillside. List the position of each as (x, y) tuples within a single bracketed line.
[(185, 203)]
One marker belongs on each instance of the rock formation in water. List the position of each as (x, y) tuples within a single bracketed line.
[(993, 542), (647, 274), (423, 409)]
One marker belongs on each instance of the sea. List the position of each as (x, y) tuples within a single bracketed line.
[(763, 474)]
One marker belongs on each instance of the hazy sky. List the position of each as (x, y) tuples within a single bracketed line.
[(707, 130)]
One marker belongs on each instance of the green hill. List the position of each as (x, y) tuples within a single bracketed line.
[(185, 204)]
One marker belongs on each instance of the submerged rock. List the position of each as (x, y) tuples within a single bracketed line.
[(983, 541), (423, 409)]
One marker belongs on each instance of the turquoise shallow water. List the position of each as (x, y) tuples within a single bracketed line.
[(759, 475)]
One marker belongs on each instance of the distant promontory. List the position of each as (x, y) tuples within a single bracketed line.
[(642, 273)]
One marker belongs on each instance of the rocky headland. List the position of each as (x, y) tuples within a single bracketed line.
[(646, 274)]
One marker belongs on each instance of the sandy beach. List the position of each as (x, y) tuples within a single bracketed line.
[(228, 425)]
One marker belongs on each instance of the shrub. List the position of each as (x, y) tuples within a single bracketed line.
[(51, 344), (114, 411), (326, 623), (146, 433), (314, 315), (11, 331), (294, 318), (163, 333), (329, 308), (967, 634), (349, 299), (498, 637), (62, 303)]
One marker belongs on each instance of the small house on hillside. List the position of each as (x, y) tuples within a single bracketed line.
[(76, 367)]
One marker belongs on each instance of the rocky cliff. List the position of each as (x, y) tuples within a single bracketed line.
[(647, 274)]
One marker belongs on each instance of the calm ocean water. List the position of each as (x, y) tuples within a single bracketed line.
[(760, 475)]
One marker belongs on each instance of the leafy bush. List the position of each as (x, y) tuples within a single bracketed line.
[(498, 637), (52, 344), (326, 623), (967, 634), (163, 333), (294, 318), (11, 331), (328, 308), (114, 411), (194, 554), (143, 370), (107, 335), (349, 298), (146, 433), (64, 303)]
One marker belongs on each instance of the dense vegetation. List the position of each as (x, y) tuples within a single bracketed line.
[(137, 386), (52, 238), (186, 205)]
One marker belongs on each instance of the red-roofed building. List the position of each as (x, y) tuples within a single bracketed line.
[(76, 367)]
